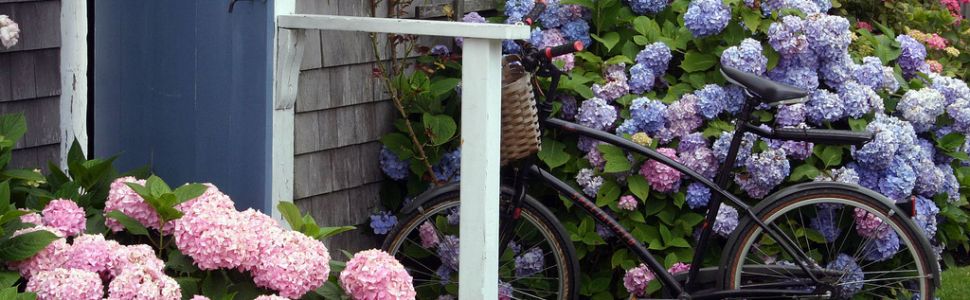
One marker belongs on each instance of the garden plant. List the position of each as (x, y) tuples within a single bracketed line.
[(651, 74)]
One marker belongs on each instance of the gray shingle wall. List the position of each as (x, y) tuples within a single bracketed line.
[(341, 112), (30, 79)]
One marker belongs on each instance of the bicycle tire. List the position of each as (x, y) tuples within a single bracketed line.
[(738, 248), (532, 211)]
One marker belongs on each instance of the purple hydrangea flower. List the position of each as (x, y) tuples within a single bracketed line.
[(882, 247), (448, 252), (726, 220), (440, 50), (577, 30), (765, 170), (824, 222), (912, 59), (383, 222), (692, 142), (711, 101), (746, 57), (851, 271), (615, 86), (950, 184), (553, 16), (888, 134), (797, 150), (829, 36), (805, 6), (951, 88), (517, 9), (921, 107), (733, 98), (595, 158), (959, 111), (723, 143), (788, 36), (641, 79), (873, 74), (596, 113), (589, 182), (504, 290), (793, 74), (529, 263), (655, 57), (569, 107), (707, 17), (662, 178), (823, 106), (474, 17), (454, 216), (698, 195), (701, 160), (926, 213), (642, 7), (393, 167), (898, 180), (552, 38), (627, 202), (790, 115), (444, 275), (682, 117), (449, 168), (859, 99), (837, 72)]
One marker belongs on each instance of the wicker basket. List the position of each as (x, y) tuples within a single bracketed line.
[(520, 120)]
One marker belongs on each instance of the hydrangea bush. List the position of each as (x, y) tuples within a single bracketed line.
[(651, 74)]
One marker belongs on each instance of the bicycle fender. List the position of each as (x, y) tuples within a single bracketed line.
[(433, 192)]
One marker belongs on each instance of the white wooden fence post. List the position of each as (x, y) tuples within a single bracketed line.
[(481, 95)]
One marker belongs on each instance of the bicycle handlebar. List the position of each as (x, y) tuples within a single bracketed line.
[(564, 49), (534, 13)]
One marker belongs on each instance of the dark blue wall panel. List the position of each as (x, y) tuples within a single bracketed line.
[(182, 86)]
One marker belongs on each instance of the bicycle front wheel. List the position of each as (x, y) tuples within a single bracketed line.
[(860, 247), (537, 262)]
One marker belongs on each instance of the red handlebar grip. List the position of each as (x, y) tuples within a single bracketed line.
[(564, 49), (534, 13)]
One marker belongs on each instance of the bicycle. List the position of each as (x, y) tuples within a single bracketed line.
[(770, 254)]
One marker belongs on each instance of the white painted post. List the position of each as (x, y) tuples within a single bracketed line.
[(286, 50), (481, 115), (74, 77)]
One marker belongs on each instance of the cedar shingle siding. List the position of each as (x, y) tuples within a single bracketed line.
[(341, 112), (30, 79)]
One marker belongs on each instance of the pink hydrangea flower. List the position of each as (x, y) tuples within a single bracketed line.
[(50, 258), (864, 25), (211, 198), (292, 264), (93, 253), (662, 178), (679, 267), (270, 297), (59, 284), (429, 236), (31, 218), (635, 280), (935, 66), (868, 224), (9, 32), (374, 274), (200, 297), (215, 237), (936, 41), (628, 203), (126, 257), (143, 283), (257, 226), (122, 198), (64, 215)]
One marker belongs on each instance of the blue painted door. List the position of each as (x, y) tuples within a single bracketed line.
[(183, 86)]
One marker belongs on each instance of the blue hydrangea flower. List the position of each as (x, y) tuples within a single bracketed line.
[(448, 252), (858, 99), (444, 276), (898, 180), (569, 107), (510, 47), (746, 57), (701, 160), (440, 50), (805, 78), (615, 86), (596, 113), (950, 184), (641, 79), (382, 222), (851, 273), (882, 247), (726, 220), (921, 107), (926, 212), (797, 150), (691, 142), (529, 263), (449, 168), (711, 101), (589, 182), (707, 17), (682, 118), (454, 216), (787, 37), (837, 72), (553, 16), (723, 143), (912, 58), (805, 6), (823, 5), (869, 73), (824, 222), (733, 98), (790, 115), (823, 106), (577, 30), (642, 7), (878, 153), (765, 170), (655, 57), (697, 195), (516, 9), (646, 115), (829, 36), (392, 166), (951, 88), (472, 17)]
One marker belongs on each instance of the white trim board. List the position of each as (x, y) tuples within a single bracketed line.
[(74, 77)]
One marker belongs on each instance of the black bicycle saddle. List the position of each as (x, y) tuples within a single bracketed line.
[(763, 88)]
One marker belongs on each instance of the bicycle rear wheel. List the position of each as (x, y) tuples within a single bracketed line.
[(538, 262), (860, 247)]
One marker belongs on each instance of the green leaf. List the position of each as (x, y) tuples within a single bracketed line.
[(12, 127), (805, 171), (640, 40), (752, 19), (25, 245), (830, 155), (130, 224), (589, 57), (608, 40), (695, 61), (619, 59), (951, 142), (616, 160), (291, 214), (618, 257), (647, 27), (157, 186), (444, 85), (179, 262), (189, 191), (608, 193), (326, 232), (215, 285), (679, 242), (553, 153), (858, 124), (8, 278), (638, 186), (24, 174), (399, 144), (441, 128), (665, 234)]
